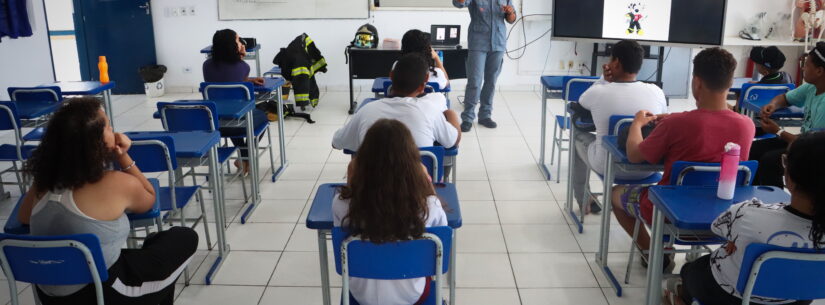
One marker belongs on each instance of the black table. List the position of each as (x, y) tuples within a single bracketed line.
[(374, 63)]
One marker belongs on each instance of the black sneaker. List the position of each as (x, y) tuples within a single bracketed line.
[(595, 208), (668, 262), (488, 122), (466, 126)]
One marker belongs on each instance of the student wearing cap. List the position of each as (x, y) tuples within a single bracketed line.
[(768, 61), (810, 96)]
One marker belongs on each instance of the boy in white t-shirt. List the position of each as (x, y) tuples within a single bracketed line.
[(618, 93), (426, 116)]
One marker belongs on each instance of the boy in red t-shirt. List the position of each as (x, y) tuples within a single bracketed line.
[(697, 136)]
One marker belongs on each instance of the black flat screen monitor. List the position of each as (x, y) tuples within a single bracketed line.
[(694, 22), (445, 35)]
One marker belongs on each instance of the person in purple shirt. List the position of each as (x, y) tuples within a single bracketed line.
[(227, 65)]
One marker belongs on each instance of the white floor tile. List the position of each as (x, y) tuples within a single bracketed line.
[(220, 295), (479, 212), (297, 295), (480, 238), (278, 211), (562, 296), (497, 296), (250, 268), (483, 270), (529, 212), (259, 236), (521, 190), (539, 238), (302, 269), (474, 190), (552, 270)]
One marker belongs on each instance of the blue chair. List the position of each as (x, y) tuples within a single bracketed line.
[(240, 91), (756, 96), (145, 219), (782, 273), (427, 256), (433, 159), (615, 123), (53, 260), (574, 87), (35, 106), (157, 155), (197, 116), (14, 153), (692, 173)]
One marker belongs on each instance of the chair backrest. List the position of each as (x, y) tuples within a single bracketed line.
[(188, 116), (10, 120), (36, 94), (781, 272), (411, 259), (707, 174), (574, 86), (762, 94), (428, 88), (154, 153), (616, 122), (53, 260), (433, 159), (228, 91)]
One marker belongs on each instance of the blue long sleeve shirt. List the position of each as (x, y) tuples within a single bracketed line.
[(488, 31)]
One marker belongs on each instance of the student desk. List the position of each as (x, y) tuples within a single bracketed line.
[(320, 218), (197, 145), (272, 86), (90, 88), (692, 208), (616, 159), (551, 87), (233, 113), (374, 63), (252, 53), (737, 84)]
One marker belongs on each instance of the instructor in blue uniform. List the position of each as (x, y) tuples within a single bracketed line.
[(488, 42)]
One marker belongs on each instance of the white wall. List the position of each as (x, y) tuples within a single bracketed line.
[(178, 40), (26, 61)]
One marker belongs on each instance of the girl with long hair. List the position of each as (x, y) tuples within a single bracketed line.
[(712, 279), (416, 41), (74, 191), (388, 197)]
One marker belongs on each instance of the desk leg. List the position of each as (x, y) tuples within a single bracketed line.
[(569, 203), (452, 270), (322, 257), (220, 218), (258, 62), (107, 105), (656, 253), (281, 137), (604, 233), (252, 148), (542, 149)]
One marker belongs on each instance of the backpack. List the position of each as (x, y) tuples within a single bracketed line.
[(366, 37)]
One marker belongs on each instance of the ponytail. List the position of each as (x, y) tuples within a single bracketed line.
[(806, 162)]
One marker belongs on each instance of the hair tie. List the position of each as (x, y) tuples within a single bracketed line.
[(818, 54)]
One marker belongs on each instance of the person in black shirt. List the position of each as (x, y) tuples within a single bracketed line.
[(768, 63)]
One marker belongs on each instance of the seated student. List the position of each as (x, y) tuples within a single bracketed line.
[(226, 65), (698, 136), (619, 93), (768, 62), (712, 278), (416, 41), (809, 95), (426, 116), (75, 192), (387, 198)]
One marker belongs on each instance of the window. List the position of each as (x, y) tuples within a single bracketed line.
[(415, 3)]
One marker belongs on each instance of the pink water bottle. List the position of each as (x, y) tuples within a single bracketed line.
[(730, 168)]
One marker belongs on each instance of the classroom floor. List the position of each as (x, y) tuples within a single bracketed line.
[(516, 245)]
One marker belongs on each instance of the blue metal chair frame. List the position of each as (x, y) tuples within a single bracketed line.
[(574, 87), (53, 260), (394, 260)]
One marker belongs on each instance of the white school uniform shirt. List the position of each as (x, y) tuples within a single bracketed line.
[(423, 116), (605, 99), (389, 292), (436, 76), (756, 222)]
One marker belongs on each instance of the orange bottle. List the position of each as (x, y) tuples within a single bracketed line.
[(104, 69)]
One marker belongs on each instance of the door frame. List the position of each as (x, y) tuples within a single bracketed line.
[(80, 39)]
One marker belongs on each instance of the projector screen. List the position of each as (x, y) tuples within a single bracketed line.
[(695, 22)]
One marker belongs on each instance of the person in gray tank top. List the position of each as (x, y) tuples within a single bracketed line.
[(74, 191)]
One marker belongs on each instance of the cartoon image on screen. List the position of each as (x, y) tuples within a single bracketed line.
[(636, 19), (634, 16)]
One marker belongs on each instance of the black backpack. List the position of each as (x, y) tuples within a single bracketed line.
[(366, 37)]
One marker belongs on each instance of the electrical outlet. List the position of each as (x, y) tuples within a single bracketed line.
[(184, 11), (187, 70), (175, 12), (561, 65), (570, 64), (191, 11)]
